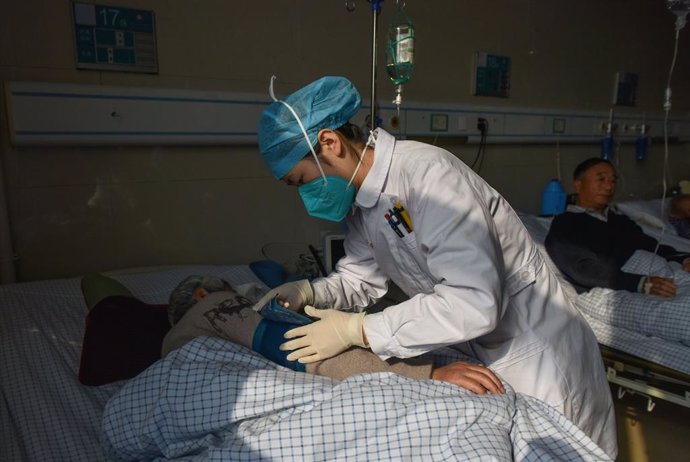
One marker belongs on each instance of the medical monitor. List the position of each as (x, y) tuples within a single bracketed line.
[(333, 250)]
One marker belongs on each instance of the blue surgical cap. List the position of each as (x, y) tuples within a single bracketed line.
[(327, 103)]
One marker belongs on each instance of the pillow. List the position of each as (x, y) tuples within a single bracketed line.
[(95, 287), (123, 335), (651, 213)]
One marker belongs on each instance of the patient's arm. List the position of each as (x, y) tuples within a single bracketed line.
[(587, 269), (473, 377), (224, 315), (359, 361)]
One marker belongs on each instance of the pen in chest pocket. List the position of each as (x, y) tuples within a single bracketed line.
[(404, 217), (394, 222)]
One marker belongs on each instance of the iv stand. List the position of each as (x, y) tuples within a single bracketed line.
[(375, 9)]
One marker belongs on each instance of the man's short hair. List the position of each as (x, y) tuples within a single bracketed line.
[(582, 167), (182, 297)]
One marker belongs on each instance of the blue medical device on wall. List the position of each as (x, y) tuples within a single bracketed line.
[(553, 198)]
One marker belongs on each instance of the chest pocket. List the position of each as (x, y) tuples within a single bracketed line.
[(410, 275)]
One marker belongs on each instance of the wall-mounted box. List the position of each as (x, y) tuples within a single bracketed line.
[(114, 39)]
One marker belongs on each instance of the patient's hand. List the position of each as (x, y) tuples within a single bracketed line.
[(663, 287), (686, 265), (473, 377)]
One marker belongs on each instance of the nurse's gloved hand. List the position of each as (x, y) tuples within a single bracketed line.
[(293, 295), (333, 333)]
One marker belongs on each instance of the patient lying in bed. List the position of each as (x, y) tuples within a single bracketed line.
[(591, 242), (209, 306)]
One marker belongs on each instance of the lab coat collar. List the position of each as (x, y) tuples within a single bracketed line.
[(372, 186)]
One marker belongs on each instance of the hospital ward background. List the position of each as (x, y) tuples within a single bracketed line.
[(128, 147)]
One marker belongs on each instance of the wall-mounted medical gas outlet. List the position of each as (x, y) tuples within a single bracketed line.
[(558, 126), (607, 127), (439, 123)]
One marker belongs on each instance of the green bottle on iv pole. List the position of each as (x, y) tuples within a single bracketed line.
[(400, 52)]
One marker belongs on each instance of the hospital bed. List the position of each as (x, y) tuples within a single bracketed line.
[(212, 398), (643, 339)]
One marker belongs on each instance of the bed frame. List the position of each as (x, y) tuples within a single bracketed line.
[(638, 376)]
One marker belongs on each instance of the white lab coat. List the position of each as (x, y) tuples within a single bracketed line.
[(475, 280)]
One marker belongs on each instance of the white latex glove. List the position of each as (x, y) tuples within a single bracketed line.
[(333, 333), (293, 295)]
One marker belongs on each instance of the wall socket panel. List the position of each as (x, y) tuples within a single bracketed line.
[(525, 125)]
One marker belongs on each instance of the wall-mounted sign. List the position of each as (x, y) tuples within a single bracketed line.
[(491, 75), (114, 38)]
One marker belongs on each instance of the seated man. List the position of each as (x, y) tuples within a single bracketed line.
[(590, 242), (205, 305), (679, 214)]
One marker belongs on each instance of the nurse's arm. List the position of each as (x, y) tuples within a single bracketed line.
[(357, 283)]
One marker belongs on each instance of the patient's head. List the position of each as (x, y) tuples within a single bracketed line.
[(594, 181), (191, 290), (680, 206)]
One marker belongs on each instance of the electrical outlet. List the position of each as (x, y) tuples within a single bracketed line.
[(482, 125)]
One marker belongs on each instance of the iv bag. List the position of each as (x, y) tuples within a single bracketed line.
[(400, 49)]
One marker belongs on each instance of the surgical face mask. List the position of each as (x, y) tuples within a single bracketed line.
[(329, 198)]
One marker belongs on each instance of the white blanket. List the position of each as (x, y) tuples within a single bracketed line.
[(213, 400)]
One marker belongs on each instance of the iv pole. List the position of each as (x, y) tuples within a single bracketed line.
[(375, 10)]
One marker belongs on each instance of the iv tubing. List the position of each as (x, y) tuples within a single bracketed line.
[(667, 109)]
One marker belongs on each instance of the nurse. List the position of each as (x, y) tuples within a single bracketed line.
[(418, 216)]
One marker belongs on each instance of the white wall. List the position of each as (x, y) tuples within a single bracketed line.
[(79, 209)]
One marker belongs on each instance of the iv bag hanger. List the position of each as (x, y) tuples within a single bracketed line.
[(680, 8)]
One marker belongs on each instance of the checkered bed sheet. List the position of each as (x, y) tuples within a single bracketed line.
[(214, 400), (45, 413), (653, 328)]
